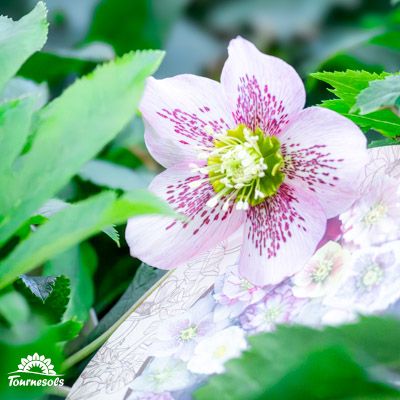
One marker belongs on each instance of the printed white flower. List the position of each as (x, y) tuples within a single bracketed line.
[(163, 375), (322, 273), (373, 282), (178, 336), (212, 352), (278, 307), (234, 293), (316, 314), (375, 217)]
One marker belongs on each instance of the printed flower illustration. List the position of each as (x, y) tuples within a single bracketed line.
[(178, 336), (212, 352), (373, 281), (278, 307), (163, 375), (234, 293), (244, 153), (375, 217), (322, 273)]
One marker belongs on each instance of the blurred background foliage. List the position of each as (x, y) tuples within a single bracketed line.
[(312, 35)]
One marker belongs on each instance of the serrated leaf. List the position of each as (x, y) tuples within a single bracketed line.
[(74, 224), (79, 264), (379, 94), (70, 131), (112, 233), (20, 39), (299, 362), (40, 286), (47, 295), (347, 86)]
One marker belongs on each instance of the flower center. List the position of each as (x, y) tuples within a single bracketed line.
[(188, 333), (371, 276), (245, 167), (322, 271), (220, 351), (272, 314), (375, 214)]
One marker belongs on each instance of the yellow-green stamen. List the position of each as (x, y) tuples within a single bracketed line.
[(245, 166)]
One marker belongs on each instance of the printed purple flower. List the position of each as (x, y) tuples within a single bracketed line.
[(322, 273), (234, 293), (278, 307), (375, 217), (178, 336), (244, 153), (372, 283)]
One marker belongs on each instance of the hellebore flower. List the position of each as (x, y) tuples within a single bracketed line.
[(244, 154)]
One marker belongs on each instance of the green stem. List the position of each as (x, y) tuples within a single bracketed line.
[(98, 342)]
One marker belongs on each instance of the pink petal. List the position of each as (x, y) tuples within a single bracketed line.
[(176, 112), (164, 242), (326, 154), (263, 91), (281, 235)]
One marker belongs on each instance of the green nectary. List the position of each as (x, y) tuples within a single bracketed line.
[(245, 166)]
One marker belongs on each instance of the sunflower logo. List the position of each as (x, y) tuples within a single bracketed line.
[(36, 364)]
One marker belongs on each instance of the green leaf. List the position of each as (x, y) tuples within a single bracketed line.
[(107, 174), (74, 224), (70, 131), (78, 263), (347, 86), (40, 286), (127, 25), (383, 142), (20, 39), (53, 206), (379, 94), (113, 234), (47, 295), (67, 330), (143, 280), (18, 88), (388, 39), (13, 307), (15, 121), (298, 362)]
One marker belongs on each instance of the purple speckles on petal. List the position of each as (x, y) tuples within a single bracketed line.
[(272, 222), (258, 108), (193, 126)]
